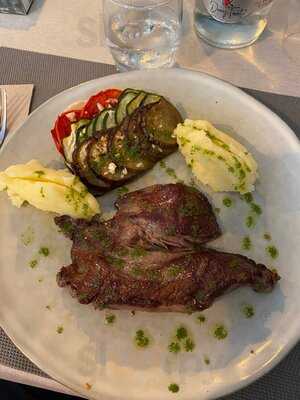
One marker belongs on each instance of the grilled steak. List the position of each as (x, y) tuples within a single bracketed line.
[(134, 260), (170, 215)]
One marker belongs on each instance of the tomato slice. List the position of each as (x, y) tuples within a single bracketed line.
[(104, 98), (62, 129)]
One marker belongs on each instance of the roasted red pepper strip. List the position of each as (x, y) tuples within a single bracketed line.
[(62, 129), (104, 98)]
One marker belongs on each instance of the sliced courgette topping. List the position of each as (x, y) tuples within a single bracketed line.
[(90, 129), (135, 103), (81, 135), (110, 121), (81, 123), (150, 99), (124, 100), (99, 125)]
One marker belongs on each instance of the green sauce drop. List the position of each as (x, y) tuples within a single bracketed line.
[(122, 190), (33, 264), (42, 192), (248, 197), (137, 252), (248, 311), (234, 264), (44, 251), (246, 243), (118, 263), (227, 201), (272, 251), (256, 208), (27, 237), (220, 332), (173, 387), (181, 339), (110, 319), (201, 318), (60, 329), (206, 360), (174, 347), (170, 171), (174, 270), (181, 333), (189, 345), (250, 221), (39, 173), (183, 141), (267, 237), (141, 340)]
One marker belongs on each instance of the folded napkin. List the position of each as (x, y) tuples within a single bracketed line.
[(18, 104)]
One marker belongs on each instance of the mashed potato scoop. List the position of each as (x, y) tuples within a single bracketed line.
[(216, 159), (58, 191)]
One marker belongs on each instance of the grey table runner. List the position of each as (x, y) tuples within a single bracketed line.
[(50, 75)]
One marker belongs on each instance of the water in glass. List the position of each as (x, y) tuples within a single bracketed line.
[(143, 34)]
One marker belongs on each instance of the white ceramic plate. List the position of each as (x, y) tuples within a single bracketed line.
[(88, 351)]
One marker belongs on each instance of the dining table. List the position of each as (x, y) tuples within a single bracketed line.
[(60, 44)]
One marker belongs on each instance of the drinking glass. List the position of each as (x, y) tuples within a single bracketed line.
[(142, 34), (231, 24), (291, 39)]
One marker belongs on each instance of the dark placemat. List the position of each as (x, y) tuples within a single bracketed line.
[(50, 75)]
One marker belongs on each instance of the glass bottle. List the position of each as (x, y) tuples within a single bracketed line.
[(231, 24)]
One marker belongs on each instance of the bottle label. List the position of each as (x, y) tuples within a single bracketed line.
[(234, 10)]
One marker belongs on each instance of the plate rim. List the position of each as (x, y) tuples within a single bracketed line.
[(267, 366)]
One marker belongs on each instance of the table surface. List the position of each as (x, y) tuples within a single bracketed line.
[(74, 29)]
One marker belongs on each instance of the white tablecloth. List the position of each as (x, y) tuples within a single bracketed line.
[(73, 28)]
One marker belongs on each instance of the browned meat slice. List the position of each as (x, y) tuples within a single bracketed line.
[(160, 279), (130, 260), (171, 215)]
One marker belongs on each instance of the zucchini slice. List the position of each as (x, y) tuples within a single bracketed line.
[(110, 121), (100, 119), (126, 97), (90, 129), (81, 135), (150, 99), (135, 103), (81, 123), (159, 120), (80, 161)]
